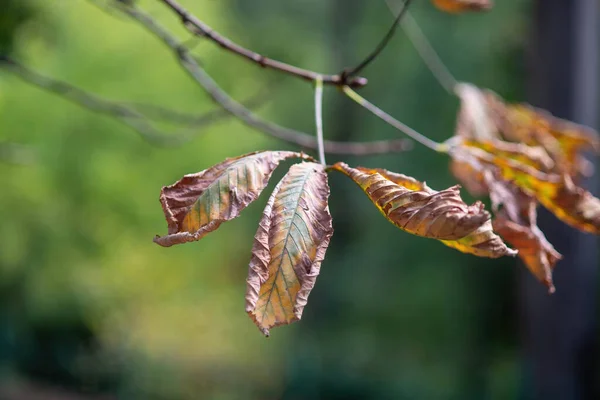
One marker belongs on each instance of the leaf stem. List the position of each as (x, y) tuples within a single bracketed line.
[(424, 140), (319, 117)]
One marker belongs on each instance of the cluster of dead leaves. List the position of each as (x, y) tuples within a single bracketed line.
[(295, 229), (518, 155), (292, 235), (522, 156)]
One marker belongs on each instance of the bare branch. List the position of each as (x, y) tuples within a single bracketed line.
[(245, 115), (201, 29), (371, 57), (122, 112)]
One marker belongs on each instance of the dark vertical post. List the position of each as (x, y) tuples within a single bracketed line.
[(560, 332)]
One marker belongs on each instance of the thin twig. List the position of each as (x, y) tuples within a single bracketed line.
[(319, 118), (245, 115), (123, 112), (156, 112), (392, 121), (201, 29), (426, 51), (17, 154), (354, 71)]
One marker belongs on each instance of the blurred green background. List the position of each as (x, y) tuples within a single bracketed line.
[(89, 305)]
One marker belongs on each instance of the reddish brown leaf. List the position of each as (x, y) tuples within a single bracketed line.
[(570, 203), (516, 222), (482, 242), (289, 247), (476, 119), (414, 207), (199, 203), (537, 253), (563, 140), (469, 177)]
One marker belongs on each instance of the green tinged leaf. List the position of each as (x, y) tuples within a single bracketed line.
[(289, 247), (199, 203)]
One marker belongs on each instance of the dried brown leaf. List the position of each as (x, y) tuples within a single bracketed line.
[(482, 242), (516, 222), (289, 247), (537, 253), (414, 207), (563, 140), (199, 203), (570, 203), (476, 119), (469, 177)]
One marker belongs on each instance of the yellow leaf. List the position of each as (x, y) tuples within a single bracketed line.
[(289, 247), (534, 156), (570, 203)]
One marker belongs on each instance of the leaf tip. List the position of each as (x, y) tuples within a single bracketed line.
[(159, 240), (511, 252)]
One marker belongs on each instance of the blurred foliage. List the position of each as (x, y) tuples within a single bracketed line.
[(88, 302)]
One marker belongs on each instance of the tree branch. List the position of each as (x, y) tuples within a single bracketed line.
[(354, 71), (139, 122), (128, 115), (201, 29), (245, 115)]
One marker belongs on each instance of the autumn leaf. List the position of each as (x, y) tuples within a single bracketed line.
[(289, 247), (484, 115), (476, 119), (472, 178), (457, 6), (482, 242), (199, 203), (523, 122), (564, 140), (570, 203), (533, 156), (414, 207), (515, 220), (475, 124), (537, 253), (544, 167)]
